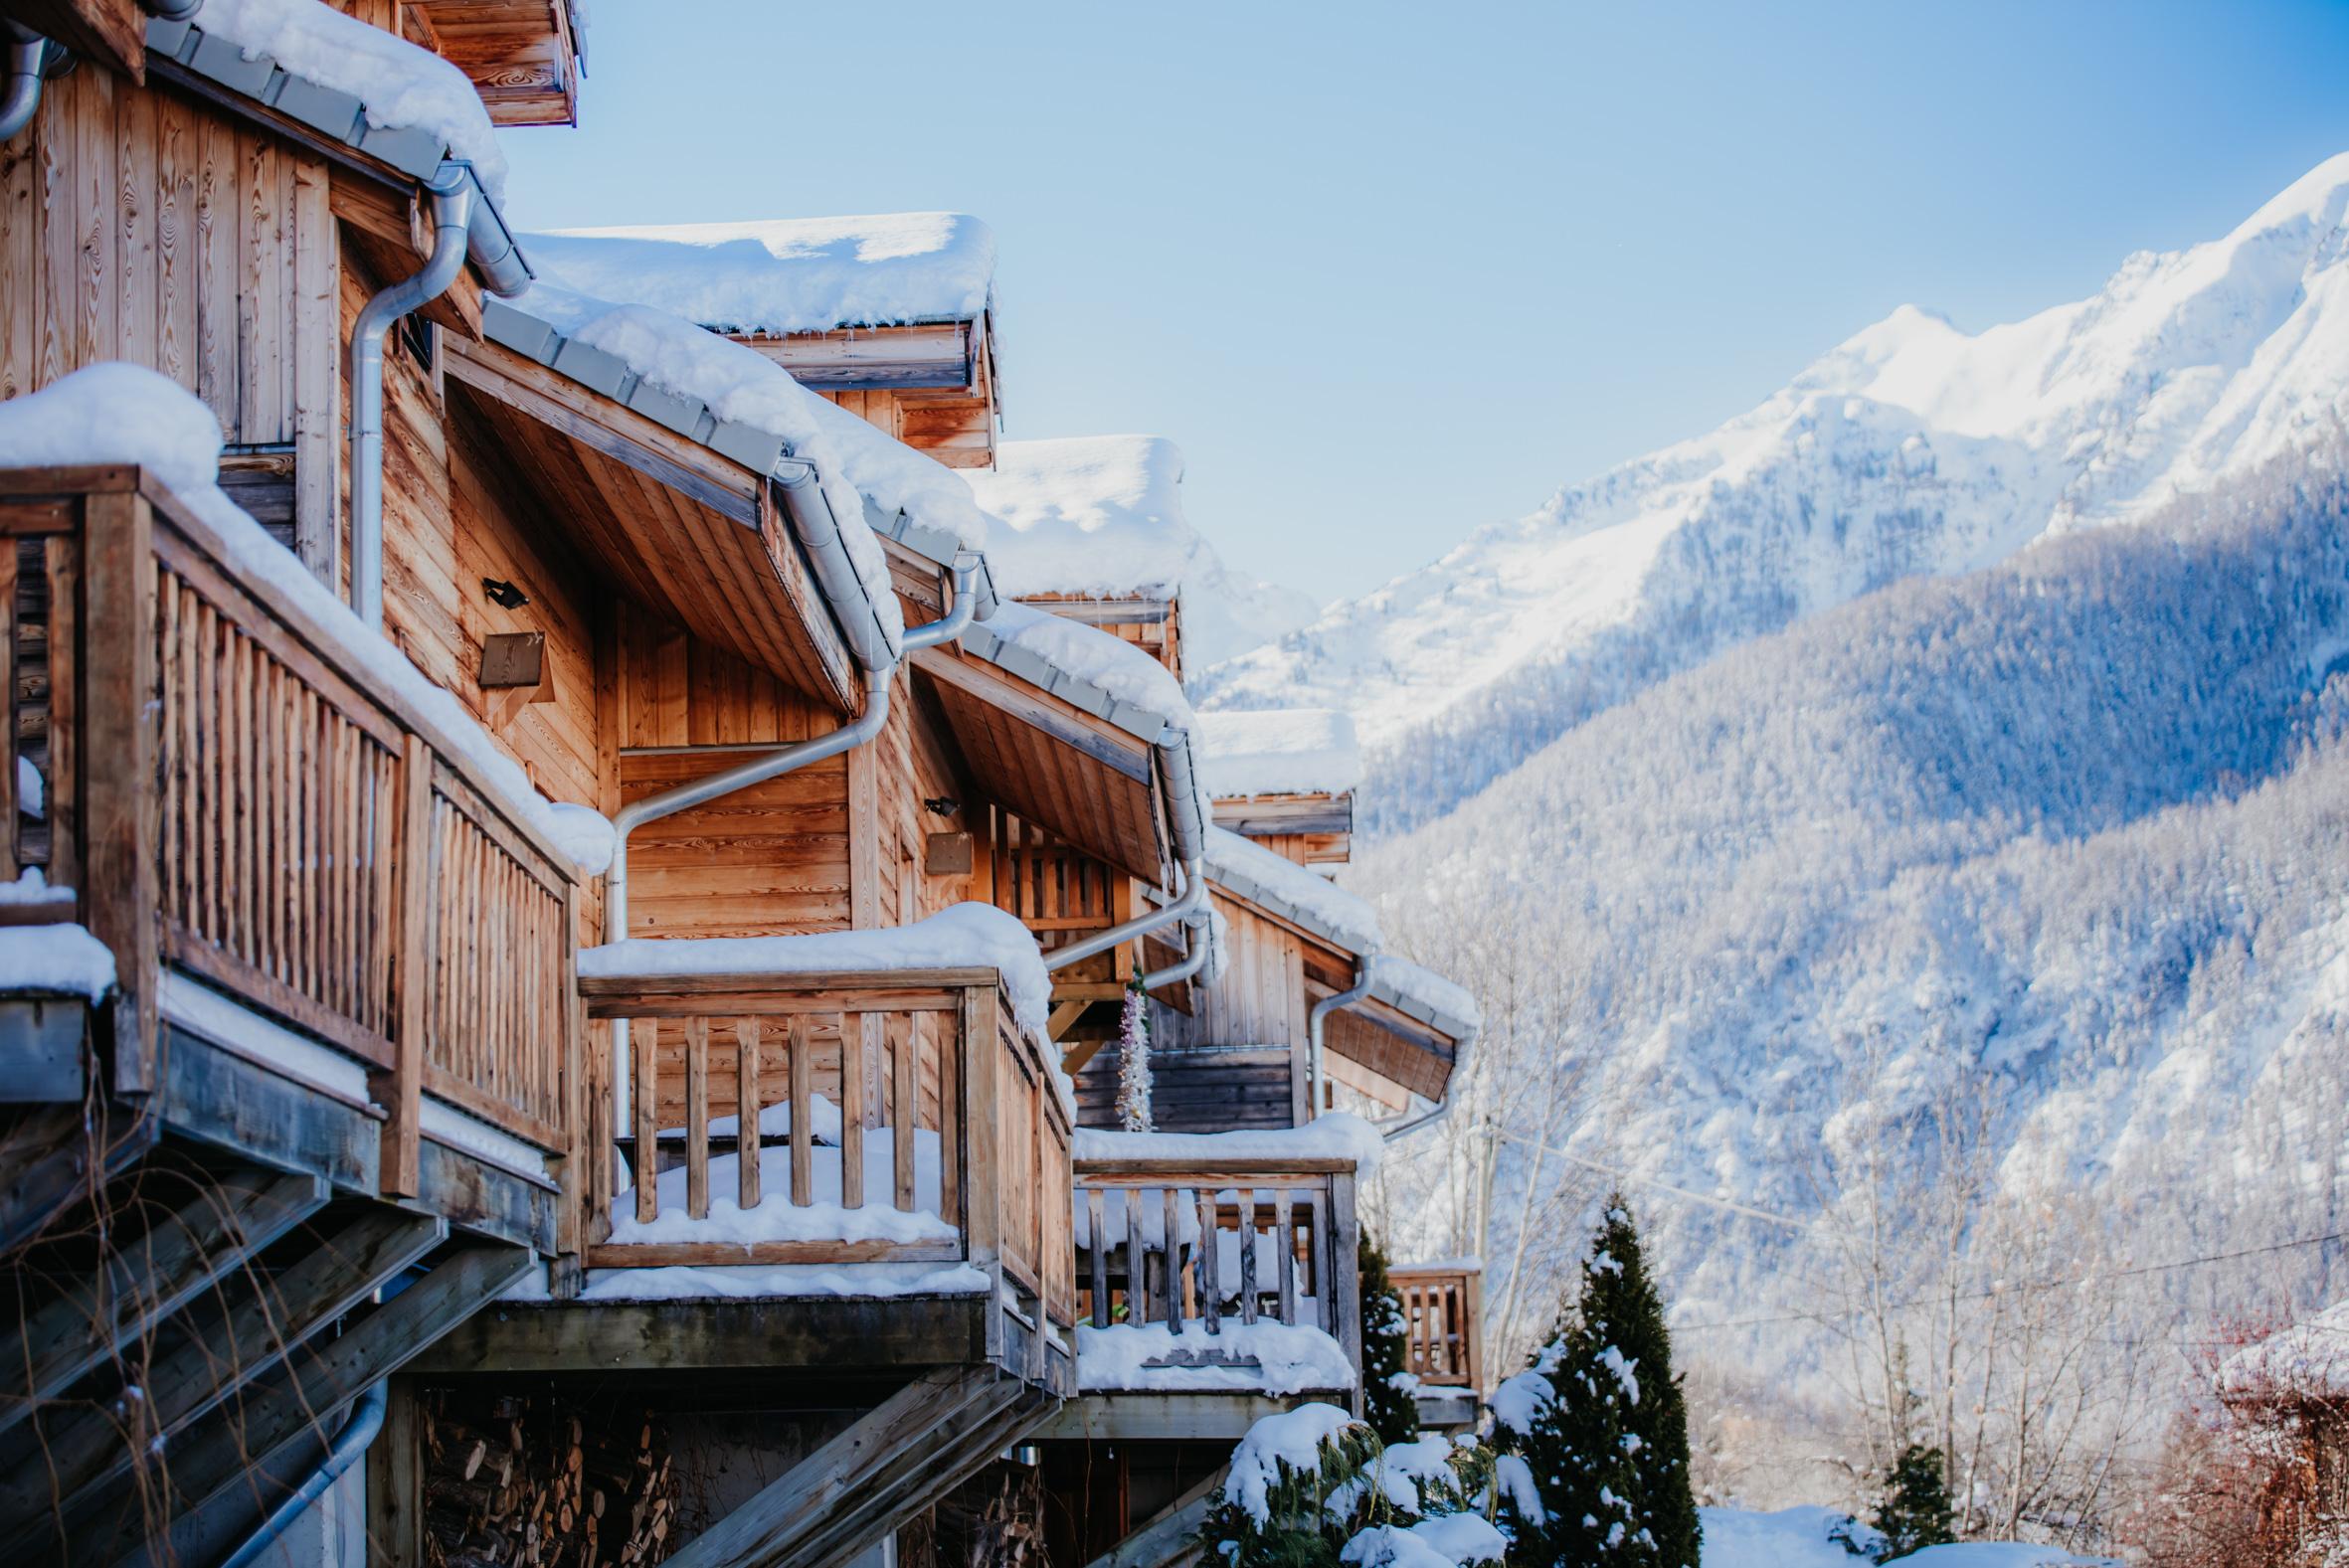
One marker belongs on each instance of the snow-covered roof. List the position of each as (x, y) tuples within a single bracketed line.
[(127, 413), (2308, 1358), (748, 408), (1422, 993), (961, 936), (1306, 898), (360, 85), (785, 274), (1284, 751), (1110, 680), (1089, 515)]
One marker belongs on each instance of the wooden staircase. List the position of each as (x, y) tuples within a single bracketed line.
[(898, 1460)]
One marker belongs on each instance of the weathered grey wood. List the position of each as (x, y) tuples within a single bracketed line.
[(66, 1454), (1344, 1289), (327, 1373), (778, 1525), (395, 1483), (119, 719), (1151, 1417), (147, 1282), (1248, 1201), (45, 1158), (716, 1335), (1099, 1251), (1170, 1202), (1284, 1251), (954, 1451), (1166, 1539), (42, 1039), (1210, 1264), (220, 1098), (1137, 1257)]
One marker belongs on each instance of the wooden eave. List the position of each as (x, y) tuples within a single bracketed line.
[(926, 356), (1273, 815), (520, 55), (109, 31), (1078, 777), (689, 534)]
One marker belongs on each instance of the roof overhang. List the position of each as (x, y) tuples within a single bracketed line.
[(662, 510)]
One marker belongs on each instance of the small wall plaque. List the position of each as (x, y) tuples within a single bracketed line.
[(948, 855), (512, 659)]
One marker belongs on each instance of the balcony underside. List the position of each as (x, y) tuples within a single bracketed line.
[(1147, 1417)]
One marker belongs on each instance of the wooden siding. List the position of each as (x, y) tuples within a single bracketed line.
[(138, 224), (1155, 626), (1259, 1002), (1195, 1090), (932, 387)]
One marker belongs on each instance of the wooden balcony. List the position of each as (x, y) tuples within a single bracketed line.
[(245, 808), (1443, 1305), (900, 1117), (1209, 1252)]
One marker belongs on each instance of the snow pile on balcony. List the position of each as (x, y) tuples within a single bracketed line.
[(774, 1121), (2308, 1358), (765, 1282), (62, 961), (966, 936), (742, 385), (31, 899), (1284, 751), (1337, 1135), (1248, 869), (785, 274), (400, 85), (1098, 515), (1288, 1360), (777, 1218), (126, 413)]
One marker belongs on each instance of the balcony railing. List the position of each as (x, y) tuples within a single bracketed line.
[(234, 790), (894, 1118), (1174, 1241), (1443, 1307)]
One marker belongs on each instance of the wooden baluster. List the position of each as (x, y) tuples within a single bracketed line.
[(1173, 1275), (1317, 1248), (1248, 1198), (905, 1047), (1285, 1251), (65, 708), (697, 1117), (803, 1112), (1344, 1291), (748, 1035), (951, 1047), (644, 1081), (852, 1071), (1099, 1251), (10, 747), (401, 1090), (1137, 1275), (1210, 1264)]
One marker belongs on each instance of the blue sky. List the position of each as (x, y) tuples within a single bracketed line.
[(1389, 273)]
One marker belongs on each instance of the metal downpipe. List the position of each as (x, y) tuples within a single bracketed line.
[(349, 1444), (1203, 944), (1313, 1028), (452, 195), (21, 99), (1194, 900), (759, 769), (171, 10), (1398, 1126)]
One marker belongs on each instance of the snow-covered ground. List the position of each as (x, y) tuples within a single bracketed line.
[(1802, 1538)]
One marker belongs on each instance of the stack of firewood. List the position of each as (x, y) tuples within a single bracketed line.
[(518, 1483)]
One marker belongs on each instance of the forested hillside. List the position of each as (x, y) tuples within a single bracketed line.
[(1986, 928)]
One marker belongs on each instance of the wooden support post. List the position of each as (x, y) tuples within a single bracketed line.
[(399, 1088), (1173, 1272), (118, 716), (1344, 1289), (1136, 1260), (64, 560), (579, 1165), (802, 1129), (1099, 1253), (1248, 1198), (644, 1083), (1284, 1250), (905, 1061), (1210, 1270), (395, 1483), (982, 1184), (10, 747)]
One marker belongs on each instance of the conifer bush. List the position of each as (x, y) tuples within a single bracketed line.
[(1388, 1383), (1915, 1511)]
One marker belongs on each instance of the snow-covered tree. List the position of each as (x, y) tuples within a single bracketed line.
[(1388, 1383), (1914, 1512), (1313, 1487), (1597, 1428)]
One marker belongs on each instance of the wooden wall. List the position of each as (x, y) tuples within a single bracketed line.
[(1259, 1002), (1155, 626), (140, 224)]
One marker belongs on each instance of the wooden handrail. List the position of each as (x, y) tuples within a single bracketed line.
[(1443, 1314), (247, 799)]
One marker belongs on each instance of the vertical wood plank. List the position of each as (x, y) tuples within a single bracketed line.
[(981, 1185), (313, 385), (853, 1107), (952, 1046), (749, 1040), (401, 1090), (134, 233), (96, 189), (215, 268), (53, 316), (1248, 1197), (1284, 1250), (1171, 1201), (1097, 1249), (802, 1068), (64, 714), (1344, 1289), (905, 1047), (395, 1483), (175, 253), (1136, 1260), (644, 1079), (118, 720), (697, 1117), (20, 262), (1210, 1273), (10, 747)]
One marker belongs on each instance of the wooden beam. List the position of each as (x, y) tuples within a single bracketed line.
[(67, 1455), (395, 1483), (109, 31), (800, 1333), (1167, 1537), (50, 1159), (145, 1282), (850, 1484), (1223, 1417), (1065, 723)]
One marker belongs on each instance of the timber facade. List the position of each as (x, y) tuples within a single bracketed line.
[(609, 1056)]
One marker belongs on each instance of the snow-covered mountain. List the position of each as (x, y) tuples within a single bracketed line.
[(1911, 449)]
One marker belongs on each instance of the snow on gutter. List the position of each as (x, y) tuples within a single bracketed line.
[(872, 638), (934, 544)]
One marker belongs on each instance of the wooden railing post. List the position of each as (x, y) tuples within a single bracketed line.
[(981, 1084), (1344, 1279), (399, 1088), (110, 718)]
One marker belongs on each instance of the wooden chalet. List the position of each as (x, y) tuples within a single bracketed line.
[(548, 889)]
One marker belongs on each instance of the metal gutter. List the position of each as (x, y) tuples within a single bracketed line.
[(932, 544), (357, 1433)]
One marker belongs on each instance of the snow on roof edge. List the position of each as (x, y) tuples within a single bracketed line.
[(1419, 992)]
